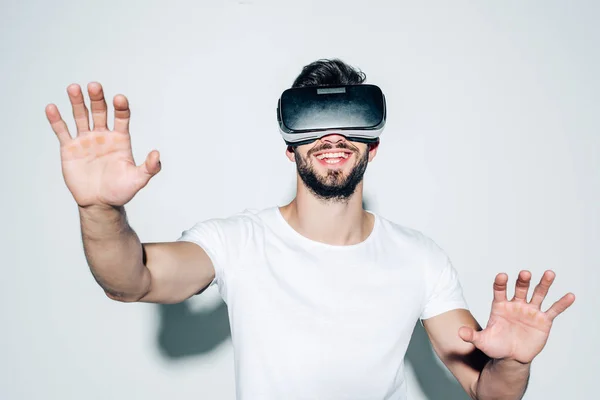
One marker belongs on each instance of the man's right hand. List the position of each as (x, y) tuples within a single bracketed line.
[(97, 164)]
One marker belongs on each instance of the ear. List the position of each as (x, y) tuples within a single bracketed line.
[(373, 150), (289, 152)]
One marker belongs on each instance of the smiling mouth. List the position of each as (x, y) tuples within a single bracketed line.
[(333, 157)]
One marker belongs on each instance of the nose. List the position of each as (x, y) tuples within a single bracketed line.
[(333, 138)]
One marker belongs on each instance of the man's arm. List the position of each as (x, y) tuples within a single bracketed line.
[(494, 363), (480, 376), (130, 271), (509, 378), (100, 172)]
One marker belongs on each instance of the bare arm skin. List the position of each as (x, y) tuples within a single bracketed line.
[(114, 253), (503, 379), (463, 359), (178, 270), (480, 376), (495, 362), (130, 271), (100, 173)]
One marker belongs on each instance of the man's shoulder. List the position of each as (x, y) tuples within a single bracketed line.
[(238, 227), (257, 215), (247, 216), (406, 235)]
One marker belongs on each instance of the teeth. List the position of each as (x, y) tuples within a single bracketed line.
[(332, 155)]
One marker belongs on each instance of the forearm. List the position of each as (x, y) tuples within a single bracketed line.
[(113, 252), (502, 380)]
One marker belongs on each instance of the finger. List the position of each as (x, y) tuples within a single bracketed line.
[(58, 125), (150, 167), (522, 286), (500, 287), (80, 111), (560, 306), (470, 335), (541, 290), (98, 105), (122, 113)]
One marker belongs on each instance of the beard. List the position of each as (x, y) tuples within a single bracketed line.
[(333, 186)]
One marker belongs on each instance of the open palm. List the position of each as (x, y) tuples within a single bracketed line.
[(518, 329), (98, 165)]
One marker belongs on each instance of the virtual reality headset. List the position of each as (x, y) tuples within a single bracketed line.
[(306, 114)]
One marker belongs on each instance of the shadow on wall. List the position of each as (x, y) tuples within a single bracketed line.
[(435, 381), (184, 333)]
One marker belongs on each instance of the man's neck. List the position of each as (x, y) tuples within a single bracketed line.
[(326, 221)]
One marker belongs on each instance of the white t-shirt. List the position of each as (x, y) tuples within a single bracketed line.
[(315, 321)]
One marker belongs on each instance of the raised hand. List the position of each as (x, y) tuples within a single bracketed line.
[(517, 329), (97, 164)]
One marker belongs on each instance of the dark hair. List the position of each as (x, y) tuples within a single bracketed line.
[(328, 73)]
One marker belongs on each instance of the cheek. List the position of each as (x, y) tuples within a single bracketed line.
[(300, 156)]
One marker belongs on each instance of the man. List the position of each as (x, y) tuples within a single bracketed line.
[(322, 294)]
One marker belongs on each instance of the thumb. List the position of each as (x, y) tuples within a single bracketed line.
[(151, 166), (469, 335)]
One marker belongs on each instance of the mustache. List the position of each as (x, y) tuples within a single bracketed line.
[(329, 146)]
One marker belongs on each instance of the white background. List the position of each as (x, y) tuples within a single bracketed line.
[(491, 149)]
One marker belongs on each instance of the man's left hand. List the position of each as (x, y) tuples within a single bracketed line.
[(517, 329)]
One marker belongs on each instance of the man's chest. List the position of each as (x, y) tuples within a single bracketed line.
[(371, 298), (324, 320)]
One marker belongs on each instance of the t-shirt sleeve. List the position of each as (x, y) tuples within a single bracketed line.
[(223, 240), (444, 291)]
